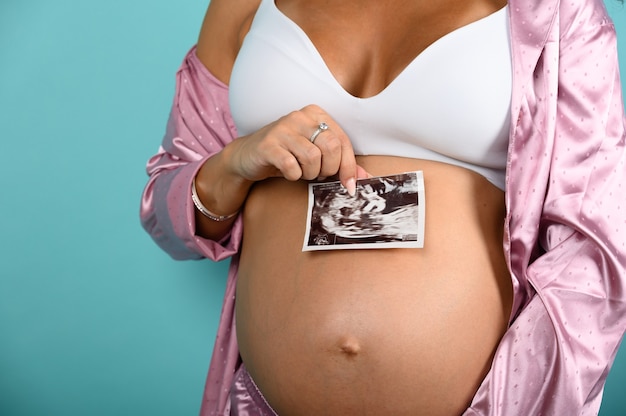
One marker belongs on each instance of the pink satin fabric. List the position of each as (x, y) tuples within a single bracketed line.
[(565, 230), (245, 397)]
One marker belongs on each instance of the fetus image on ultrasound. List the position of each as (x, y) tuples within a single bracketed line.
[(384, 210)]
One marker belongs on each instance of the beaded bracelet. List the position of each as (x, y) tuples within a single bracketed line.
[(203, 209)]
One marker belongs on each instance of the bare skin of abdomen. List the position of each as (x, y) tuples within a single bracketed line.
[(374, 332)]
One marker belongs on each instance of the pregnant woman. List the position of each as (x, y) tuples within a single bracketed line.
[(513, 113)]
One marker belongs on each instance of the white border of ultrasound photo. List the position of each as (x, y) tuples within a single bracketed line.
[(386, 212)]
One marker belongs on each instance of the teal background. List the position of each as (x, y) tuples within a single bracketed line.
[(94, 318)]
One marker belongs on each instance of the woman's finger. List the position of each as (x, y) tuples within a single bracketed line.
[(330, 147)]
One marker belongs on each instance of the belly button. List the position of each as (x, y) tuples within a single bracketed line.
[(350, 347)]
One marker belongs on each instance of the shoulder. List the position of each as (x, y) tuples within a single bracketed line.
[(225, 24)]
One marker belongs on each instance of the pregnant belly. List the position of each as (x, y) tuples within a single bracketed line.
[(385, 331)]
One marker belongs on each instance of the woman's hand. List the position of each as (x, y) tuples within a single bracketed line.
[(280, 149), (284, 149)]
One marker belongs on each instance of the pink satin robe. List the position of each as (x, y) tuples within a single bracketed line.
[(565, 230)]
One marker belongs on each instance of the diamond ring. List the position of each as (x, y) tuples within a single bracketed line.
[(320, 128)]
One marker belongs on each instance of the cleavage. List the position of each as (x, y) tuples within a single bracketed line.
[(367, 50)]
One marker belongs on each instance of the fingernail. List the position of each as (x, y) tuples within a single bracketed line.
[(351, 186)]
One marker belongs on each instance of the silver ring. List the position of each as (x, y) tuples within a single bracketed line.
[(320, 128)]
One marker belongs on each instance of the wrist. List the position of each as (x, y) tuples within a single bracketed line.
[(216, 191), (229, 165), (204, 210)]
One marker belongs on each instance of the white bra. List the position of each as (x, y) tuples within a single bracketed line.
[(450, 104)]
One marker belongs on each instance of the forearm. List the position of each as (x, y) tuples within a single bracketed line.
[(222, 192)]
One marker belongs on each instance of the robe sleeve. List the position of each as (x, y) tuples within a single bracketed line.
[(556, 355), (199, 126)]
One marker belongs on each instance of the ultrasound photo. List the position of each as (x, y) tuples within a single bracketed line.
[(386, 212)]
